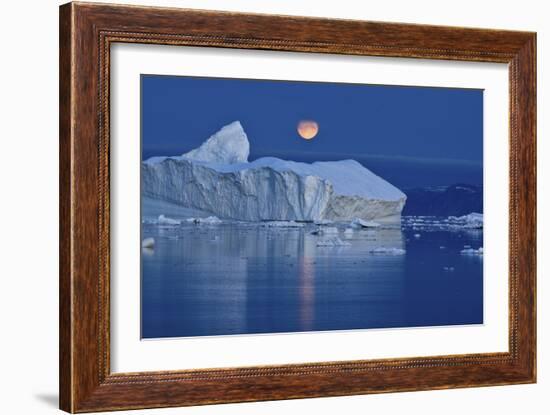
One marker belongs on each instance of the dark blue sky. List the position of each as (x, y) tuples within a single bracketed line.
[(412, 136)]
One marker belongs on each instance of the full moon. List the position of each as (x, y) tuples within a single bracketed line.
[(307, 129)]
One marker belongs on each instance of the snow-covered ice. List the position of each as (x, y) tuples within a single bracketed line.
[(217, 178), (229, 145)]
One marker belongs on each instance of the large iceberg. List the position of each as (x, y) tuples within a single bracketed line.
[(218, 179)]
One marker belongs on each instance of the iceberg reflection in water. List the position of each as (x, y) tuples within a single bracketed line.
[(245, 278)]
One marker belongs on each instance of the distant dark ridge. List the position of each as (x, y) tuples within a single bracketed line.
[(454, 200)]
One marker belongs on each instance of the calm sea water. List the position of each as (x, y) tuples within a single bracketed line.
[(233, 278)]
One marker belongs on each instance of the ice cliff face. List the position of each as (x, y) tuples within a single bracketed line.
[(217, 178)]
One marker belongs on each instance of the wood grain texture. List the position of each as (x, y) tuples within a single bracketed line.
[(65, 247), (86, 33)]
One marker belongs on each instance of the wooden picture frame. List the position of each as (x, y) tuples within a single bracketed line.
[(86, 33)]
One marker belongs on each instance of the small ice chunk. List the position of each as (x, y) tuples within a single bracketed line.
[(148, 243), (387, 251), (417, 235), (472, 251), (348, 231), (211, 220), (163, 220), (441, 247), (358, 223), (328, 230), (448, 269), (283, 224), (332, 241)]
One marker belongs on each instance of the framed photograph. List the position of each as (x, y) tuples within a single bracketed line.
[(258, 207)]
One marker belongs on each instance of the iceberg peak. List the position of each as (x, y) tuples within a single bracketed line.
[(229, 145)]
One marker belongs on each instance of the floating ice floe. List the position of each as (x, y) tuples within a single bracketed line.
[(358, 223), (148, 243), (387, 251), (283, 224), (472, 251), (470, 221), (348, 231), (448, 269), (163, 220), (333, 241), (417, 235), (210, 220)]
